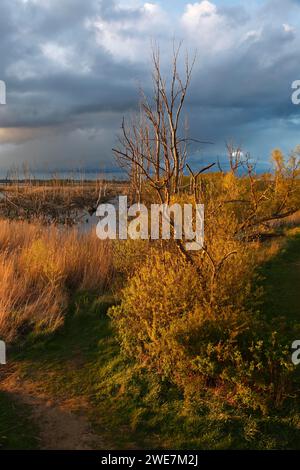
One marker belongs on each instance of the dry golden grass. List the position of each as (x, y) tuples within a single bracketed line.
[(55, 201), (40, 268)]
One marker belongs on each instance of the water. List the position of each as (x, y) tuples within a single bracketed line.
[(76, 175), (89, 222)]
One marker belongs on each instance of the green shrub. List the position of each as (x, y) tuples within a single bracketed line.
[(166, 323)]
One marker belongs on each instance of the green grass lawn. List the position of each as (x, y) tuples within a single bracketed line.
[(282, 284), (133, 409), (16, 430)]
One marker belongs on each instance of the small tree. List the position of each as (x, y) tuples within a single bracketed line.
[(154, 147)]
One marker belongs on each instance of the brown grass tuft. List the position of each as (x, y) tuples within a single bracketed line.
[(40, 268)]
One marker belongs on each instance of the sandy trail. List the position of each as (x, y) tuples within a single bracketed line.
[(62, 426)]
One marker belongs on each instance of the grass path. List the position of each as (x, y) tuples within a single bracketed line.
[(59, 425), (40, 378), (282, 284), (17, 431), (83, 395)]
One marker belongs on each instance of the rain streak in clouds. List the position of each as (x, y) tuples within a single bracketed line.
[(73, 70)]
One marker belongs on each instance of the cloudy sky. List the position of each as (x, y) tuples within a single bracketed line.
[(73, 69)]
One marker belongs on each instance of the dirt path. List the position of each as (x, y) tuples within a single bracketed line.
[(63, 426)]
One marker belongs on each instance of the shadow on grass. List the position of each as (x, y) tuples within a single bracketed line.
[(16, 429), (281, 303)]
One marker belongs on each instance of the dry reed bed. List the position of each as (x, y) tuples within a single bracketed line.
[(55, 203), (40, 268)]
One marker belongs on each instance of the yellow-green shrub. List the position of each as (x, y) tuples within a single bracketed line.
[(166, 323)]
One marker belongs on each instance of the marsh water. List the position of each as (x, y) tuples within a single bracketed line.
[(88, 222)]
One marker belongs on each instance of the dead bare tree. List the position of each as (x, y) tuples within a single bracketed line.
[(153, 149), (235, 156)]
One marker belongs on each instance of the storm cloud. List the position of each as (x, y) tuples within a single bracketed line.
[(73, 70)]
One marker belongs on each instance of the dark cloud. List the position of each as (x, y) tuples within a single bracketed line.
[(73, 69)]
